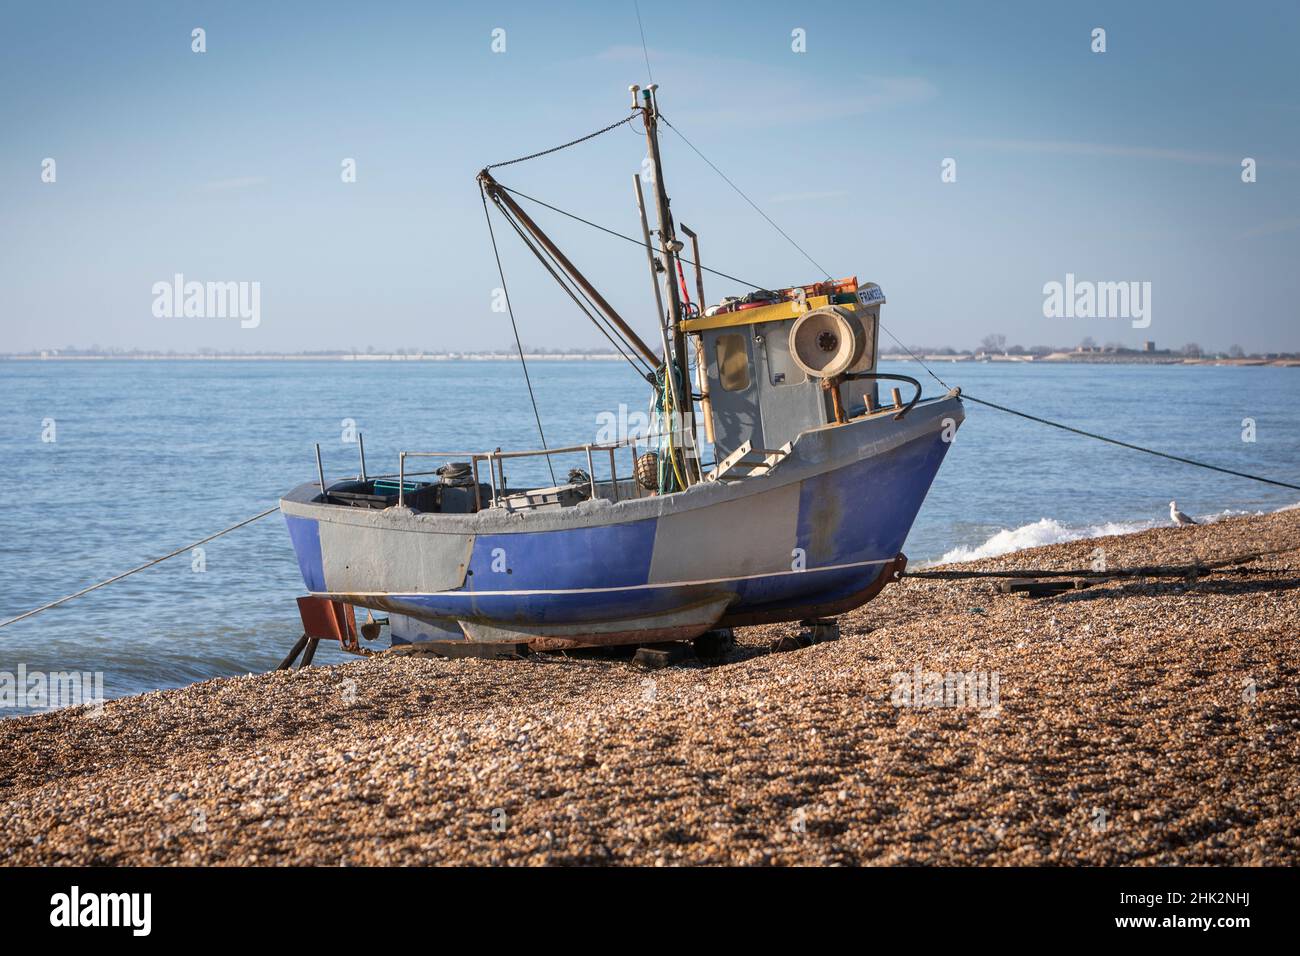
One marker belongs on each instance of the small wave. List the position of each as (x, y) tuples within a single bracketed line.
[(1041, 532)]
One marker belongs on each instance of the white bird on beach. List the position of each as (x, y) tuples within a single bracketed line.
[(1178, 517)]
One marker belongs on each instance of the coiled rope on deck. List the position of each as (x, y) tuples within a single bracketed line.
[(143, 567)]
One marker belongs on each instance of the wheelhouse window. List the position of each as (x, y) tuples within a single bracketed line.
[(733, 362)]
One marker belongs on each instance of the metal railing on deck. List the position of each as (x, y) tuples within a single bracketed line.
[(496, 465)]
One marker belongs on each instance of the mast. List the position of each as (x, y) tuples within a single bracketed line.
[(668, 249)]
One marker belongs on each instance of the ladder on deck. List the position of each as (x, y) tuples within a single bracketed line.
[(748, 462)]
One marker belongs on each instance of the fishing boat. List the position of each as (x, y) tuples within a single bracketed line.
[(802, 513)]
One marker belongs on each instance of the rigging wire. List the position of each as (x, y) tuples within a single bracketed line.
[(137, 570), (619, 235), (515, 326), (645, 50), (1088, 434), (788, 238), (742, 195), (916, 358), (585, 303), (556, 149), (589, 310)]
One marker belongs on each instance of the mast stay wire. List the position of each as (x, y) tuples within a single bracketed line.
[(556, 149), (644, 49), (589, 309), (788, 238), (742, 195), (580, 297), (637, 242), (515, 327)]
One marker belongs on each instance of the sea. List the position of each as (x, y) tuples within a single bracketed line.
[(113, 463)]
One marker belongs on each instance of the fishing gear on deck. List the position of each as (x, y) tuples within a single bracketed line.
[(666, 423)]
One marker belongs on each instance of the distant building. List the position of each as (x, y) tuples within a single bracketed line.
[(1148, 346)]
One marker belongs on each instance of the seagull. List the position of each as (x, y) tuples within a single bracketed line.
[(1178, 517)]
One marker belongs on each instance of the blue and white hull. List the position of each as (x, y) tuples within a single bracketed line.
[(821, 532)]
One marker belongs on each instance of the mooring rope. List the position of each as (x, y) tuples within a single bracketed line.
[(1146, 571), (1124, 444), (145, 566)]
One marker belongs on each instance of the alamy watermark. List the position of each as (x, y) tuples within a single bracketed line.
[(1084, 299), (75, 908), (918, 688), (208, 300), (630, 426), (50, 690)]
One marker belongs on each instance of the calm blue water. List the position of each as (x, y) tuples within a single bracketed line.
[(150, 456)]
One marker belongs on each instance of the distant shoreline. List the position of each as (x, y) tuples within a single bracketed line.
[(1055, 358), (326, 357), (1102, 358)]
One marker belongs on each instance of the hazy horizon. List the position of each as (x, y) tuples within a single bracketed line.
[(886, 349), (225, 166)]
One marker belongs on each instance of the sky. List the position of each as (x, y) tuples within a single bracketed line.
[(227, 165)]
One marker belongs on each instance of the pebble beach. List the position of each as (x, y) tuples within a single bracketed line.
[(1151, 721)]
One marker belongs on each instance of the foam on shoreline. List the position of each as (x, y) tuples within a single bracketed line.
[(1047, 531), (1042, 532)]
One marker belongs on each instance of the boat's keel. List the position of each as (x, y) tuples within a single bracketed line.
[(697, 620), (496, 650), (679, 624)]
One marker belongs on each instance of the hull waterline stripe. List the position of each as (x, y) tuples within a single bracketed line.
[(629, 587)]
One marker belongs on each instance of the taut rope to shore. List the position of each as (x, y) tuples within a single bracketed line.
[(146, 565)]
